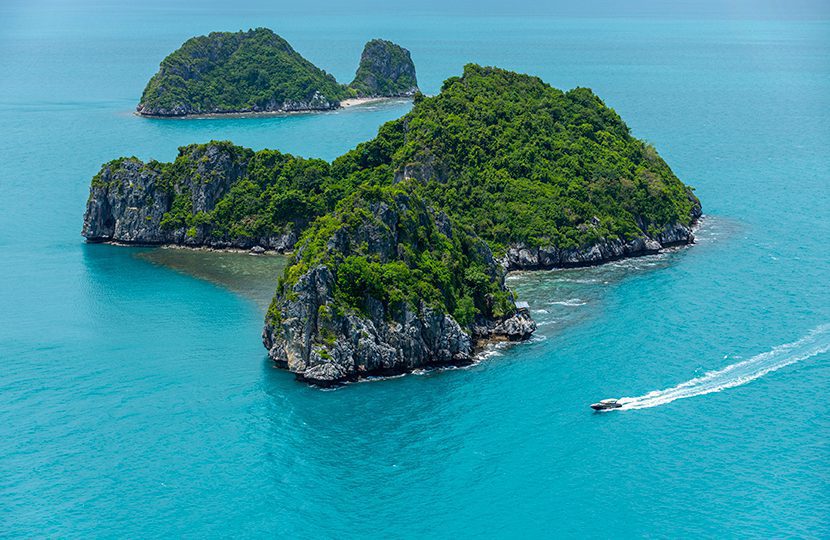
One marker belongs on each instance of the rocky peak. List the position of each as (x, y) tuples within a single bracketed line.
[(385, 69)]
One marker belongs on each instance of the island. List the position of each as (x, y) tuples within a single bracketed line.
[(401, 245), (385, 70), (257, 71)]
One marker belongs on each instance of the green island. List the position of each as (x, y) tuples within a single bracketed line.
[(401, 244), (257, 71), (385, 69)]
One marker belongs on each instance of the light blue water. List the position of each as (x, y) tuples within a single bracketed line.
[(136, 401)]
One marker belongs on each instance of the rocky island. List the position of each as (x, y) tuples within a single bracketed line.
[(257, 71), (401, 244), (385, 70)]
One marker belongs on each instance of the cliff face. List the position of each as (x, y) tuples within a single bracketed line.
[(329, 323), (386, 69), (133, 202)]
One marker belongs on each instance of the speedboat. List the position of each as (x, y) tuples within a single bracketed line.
[(606, 404)]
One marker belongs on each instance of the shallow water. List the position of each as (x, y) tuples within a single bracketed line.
[(251, 276), (136, 399)]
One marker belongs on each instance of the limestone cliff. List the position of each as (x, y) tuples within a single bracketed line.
[(523, 257), (386, 69), (385, 286), (201, 199)]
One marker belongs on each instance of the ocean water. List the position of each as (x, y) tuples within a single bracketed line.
[(137, 401)]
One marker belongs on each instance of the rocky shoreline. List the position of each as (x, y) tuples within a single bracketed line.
[(521, 257), (442, 338), (327, 335), (392, 268), (128, 203), (266, 113)]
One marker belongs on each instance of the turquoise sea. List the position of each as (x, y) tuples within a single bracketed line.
[(137, 401)]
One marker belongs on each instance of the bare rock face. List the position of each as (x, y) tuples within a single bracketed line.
[(386, 70), (133, 202), (126, 205), (310, 333), (522, 257)]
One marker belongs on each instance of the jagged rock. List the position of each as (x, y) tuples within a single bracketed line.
[(257, 250), (309, 332), (386, 69), (131, 201), (522, 257)]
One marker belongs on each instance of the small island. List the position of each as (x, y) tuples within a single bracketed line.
[(401, 245), (257, 71), (386, 70)]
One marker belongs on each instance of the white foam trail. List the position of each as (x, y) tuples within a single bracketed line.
[(571, 302), (817, 341)]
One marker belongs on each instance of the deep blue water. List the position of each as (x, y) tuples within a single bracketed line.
[(137, 401)]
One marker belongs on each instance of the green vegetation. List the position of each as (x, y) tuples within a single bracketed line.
[(257, 71), (237, 71), (263, 193), (385, 69), (519, 161), (397, 255), (507, 157)]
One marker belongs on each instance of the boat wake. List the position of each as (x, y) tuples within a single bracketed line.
[(817, 341)]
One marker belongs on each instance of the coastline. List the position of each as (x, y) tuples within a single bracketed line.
[(505, 260), (184, 247), (482, 345), (345, 104), (523, 258)]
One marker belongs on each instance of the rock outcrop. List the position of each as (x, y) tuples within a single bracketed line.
[(133, 202), (523, 257), (312, 332), (386, 69)]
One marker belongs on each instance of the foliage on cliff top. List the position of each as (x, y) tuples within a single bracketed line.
[(385, 69), (234, 71), (269, 191), (519, 161), (384, 243)]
